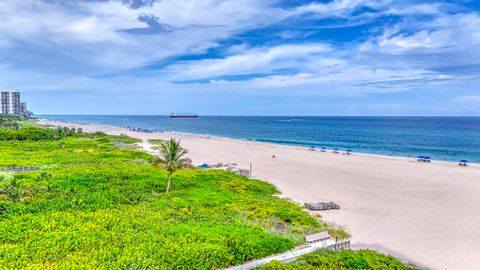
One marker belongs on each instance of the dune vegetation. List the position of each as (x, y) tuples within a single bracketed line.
[(343, 259), (94, 201), (90, 203)]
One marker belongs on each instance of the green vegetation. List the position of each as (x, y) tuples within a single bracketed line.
[(95, 205), (172, 158), (344, 259), (92, 203), (13, 191), (10, 122), (156, 141)]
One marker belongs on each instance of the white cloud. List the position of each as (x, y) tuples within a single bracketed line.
[(469, 98), (339, 8), (445, 33), (96, 32), (101, 41), (346, 8), (256, 60), (425, 9)]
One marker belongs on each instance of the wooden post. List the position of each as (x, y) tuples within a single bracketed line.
[(250, 169)]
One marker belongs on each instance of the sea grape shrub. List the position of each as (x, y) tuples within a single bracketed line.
[(95, 205), (344, 259), (109, 211)]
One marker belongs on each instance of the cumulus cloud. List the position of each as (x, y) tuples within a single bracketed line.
[(255, 60), (96, 32), (376, 47)]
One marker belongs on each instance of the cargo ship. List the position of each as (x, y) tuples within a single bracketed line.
[(188, 115)]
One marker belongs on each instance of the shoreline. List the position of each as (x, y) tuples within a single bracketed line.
[(208, 136), (423, 213)]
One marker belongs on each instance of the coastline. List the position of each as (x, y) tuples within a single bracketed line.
[(442, 139), (413, 210), (253, 141)]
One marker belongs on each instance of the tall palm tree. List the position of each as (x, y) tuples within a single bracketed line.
[(172, 158)]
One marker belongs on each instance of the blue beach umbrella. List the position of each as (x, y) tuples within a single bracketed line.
[(204, 166), (464, 161)]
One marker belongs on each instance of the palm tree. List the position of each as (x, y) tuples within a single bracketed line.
[(172, 158), (14, 191)]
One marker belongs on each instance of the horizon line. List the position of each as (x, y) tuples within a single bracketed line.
[(238, 115)]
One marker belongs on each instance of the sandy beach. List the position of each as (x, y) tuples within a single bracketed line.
[(425, 213)]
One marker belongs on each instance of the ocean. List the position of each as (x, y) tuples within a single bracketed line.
[(442, 138)]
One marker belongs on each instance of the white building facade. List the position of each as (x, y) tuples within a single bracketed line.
[(11, 103)]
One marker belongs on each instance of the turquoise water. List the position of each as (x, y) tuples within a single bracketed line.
[(442, 138)]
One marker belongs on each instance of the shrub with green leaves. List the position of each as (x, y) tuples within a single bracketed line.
[(94, 205), (343, 259)]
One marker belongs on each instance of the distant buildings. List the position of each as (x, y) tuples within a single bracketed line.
[(23, 108), (11, 104)]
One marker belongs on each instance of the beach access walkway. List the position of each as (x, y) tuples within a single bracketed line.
[(290, 255)]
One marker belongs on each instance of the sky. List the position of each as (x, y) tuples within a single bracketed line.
[(243, 57)]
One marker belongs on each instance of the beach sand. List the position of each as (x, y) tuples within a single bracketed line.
[(425, 213)]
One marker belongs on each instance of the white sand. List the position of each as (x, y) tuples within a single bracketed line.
[(426, 213)]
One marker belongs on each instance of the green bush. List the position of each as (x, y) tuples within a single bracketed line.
[(344, 259), (94, 205)]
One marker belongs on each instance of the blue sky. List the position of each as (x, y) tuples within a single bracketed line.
[(243, 57)]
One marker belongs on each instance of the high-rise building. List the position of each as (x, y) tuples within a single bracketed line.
[(11, 102), (23, 108)]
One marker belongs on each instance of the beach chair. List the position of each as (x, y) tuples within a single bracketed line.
[(335, 150), (420, 158)]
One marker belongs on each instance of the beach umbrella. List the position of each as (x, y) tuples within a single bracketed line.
[(204, 166), (463, 161), (349, 150)]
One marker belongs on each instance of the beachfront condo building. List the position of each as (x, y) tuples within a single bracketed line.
[(23, 108), (11, 103)]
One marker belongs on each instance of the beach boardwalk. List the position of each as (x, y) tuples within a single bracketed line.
[(313, 241)]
